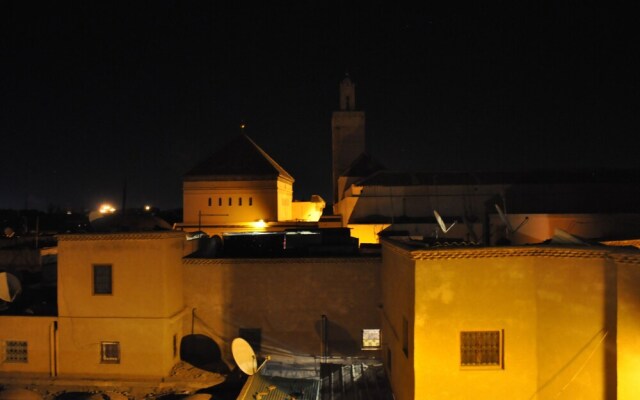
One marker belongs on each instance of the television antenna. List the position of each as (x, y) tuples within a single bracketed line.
[(441, 223), (245, 357), (507, 224)]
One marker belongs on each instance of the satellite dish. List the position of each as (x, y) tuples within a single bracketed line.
[(245, 357), (441, 222), (10, 287)]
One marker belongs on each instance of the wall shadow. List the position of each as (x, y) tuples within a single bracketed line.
[(338, 340), (202, 352)]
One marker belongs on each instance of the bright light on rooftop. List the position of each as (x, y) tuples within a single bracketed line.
[(259, 224), (107, 208)]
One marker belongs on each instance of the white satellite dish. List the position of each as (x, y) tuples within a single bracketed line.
[(245, 357), (441, 222), (10, 287), (506, 222)]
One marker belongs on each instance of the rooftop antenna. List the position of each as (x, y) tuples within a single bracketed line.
[(507, 224), (245, 357), (442, 224)]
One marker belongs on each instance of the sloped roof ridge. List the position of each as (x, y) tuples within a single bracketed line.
[(364, 165), (240, 156), (281, 171)]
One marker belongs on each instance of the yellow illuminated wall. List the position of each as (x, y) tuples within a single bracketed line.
[(39, 333), (143, 313), (309, 211), (240, 201), (568, 316), (628, 337), (398, 293), (285, 299)]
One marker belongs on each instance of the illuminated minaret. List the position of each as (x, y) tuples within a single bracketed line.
[(347, 129)]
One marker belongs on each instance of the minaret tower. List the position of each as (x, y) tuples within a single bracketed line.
[(347, 129)]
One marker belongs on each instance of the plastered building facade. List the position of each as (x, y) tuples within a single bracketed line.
[(522, 322), (533, 322), (241, 188), (120, 310), (284, 300), (371, 199)]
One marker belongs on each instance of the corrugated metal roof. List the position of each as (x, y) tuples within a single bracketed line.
[(260, 387)]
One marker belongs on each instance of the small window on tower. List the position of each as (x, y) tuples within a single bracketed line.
[(230, 201), (250, 201), (219, 201), (239, 201), (209, 201)]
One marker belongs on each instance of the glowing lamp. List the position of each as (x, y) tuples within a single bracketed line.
[(107, 209), (259, 224)]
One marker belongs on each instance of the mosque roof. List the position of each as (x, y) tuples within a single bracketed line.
[(364, 165), (395, 178), (239, 159)]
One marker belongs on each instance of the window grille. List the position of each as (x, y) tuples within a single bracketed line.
[(481, 348), (16, 351), (110, 352)]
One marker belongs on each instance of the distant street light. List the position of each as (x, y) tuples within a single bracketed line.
[(107, 208)]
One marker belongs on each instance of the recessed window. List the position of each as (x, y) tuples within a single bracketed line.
[(110, 352), (230, 201), (102, 279), (370, 339), (481, 349), (250, 201), (16, 352), (209, 201), (175, 346), (239, 201), (219, 201)]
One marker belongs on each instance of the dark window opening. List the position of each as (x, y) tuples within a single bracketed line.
[(110, 352), (405, 336), (253, 336), (102, 279)]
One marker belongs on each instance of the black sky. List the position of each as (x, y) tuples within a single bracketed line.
[(93, 94)]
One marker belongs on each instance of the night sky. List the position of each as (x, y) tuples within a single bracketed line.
[(96, 94)]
